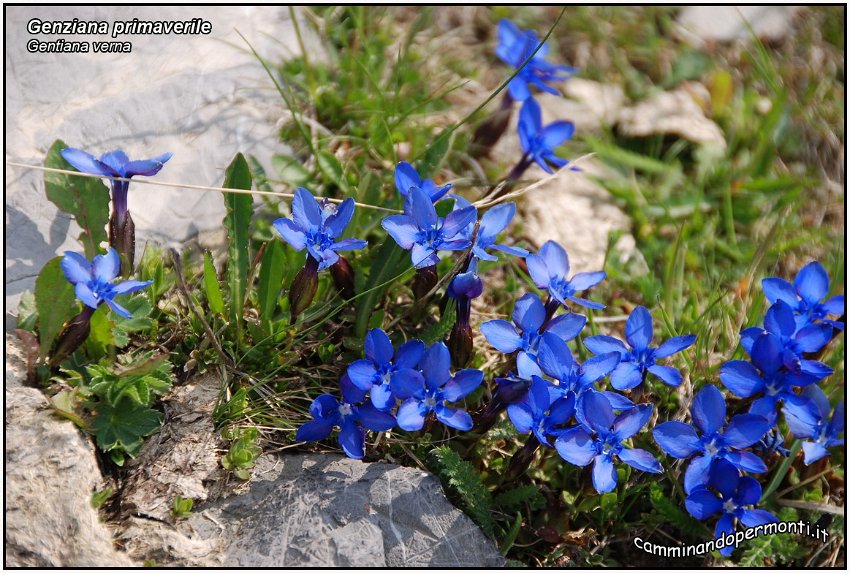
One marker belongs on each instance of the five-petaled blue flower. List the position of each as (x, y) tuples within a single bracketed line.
[(731, 495), (549, 270), (529, 315), (579, 447), (766, 378), (406, 177), (352, 420), (796, 340), (811, 286), (515, 46), (635, 363), (316, 226), (423, 233), (115, 164), (541, 412), (708, 411), (439, 388), (376, 372), (539, 142), (807, 416), (93, 281)]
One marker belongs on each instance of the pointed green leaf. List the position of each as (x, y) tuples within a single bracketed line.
[(55, 301), (332, 169), (290, 170), (389, 262), (272, 270), (239, 209), (85, 198), (211, 285)]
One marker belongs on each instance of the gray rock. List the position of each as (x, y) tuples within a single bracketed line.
[(724, 23), (202, 97), (50, 474), (326, 511)]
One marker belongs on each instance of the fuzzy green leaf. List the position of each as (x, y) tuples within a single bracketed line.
[(55, 301), (124, 426), (85, 198), (239, 209), (270, 282)]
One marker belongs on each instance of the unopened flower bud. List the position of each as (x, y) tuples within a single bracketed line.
[(424, 281), (303, 289), (343, 275), (460, 344), (74, 333)]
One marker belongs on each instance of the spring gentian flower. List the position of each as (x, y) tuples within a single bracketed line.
[(524, 334), (766, 379), (718, 440), (539, 142), (731, 495), (316, 226), (640, 359), (580, 447), (811, 286), (514, 387), (539, 413), (807, 416), (556, 360), (93, 281), (549, 271), (423, 233), (115, 164), (515, 46), (376, 372), (463, 288), (406, 177), (352, 420), (440, 387)]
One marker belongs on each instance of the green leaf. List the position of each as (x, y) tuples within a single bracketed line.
[(239, 209), (27, 313), (516, 498), (55, 301), (85, 198), (211, 285), (124, 426), (270, 281), (509, 539), (435, 154), (440, 330), (291, 170), (390, 261), (101, 336)]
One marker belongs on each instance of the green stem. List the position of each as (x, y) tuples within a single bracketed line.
[(308, 69), (783, 469)]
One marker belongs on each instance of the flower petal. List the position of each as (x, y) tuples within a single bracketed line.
[(557, 133), (117, 308), (291, 233), (601, 344), (378, 347), (454, 418), (755, 517), (146, 167), (373, 419), (422, 209), (597, 412), (521, 417), (411, 415), (463, 383), (76, 267), (631, 421), (725, 526), (556, 259), (538, 271), (667, 374), (409, 354), (724, 477), (626, 375), (748, 492), (352, 438), (640, 460), (813, 451), (348, 245), (435, 365), (494, 221), (529, 313), (583, 281), (702, 503), (812, 282), (382, 397), (407, 382), (566, 326), (745, 430), (813, 337), (674, 345), (604, 474), (746, 461), (402, 228), (697, 472), (105, 267), (502, 335), (779, 320), (741, 378), (598, 367), (116, 160), (87, 163), (457, 221), (305, 210), (639, 328), (709, 409), (85, 295), (677, 439), (362, 373), (130, 286), (778, 289), (406, 177), (576, 446), (313, 431)]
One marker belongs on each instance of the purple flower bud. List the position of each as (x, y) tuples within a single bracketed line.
[(424, 281), (74, 333), (343, 275), (303, 289), (460, 344)]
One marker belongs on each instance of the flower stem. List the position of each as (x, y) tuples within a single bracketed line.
[(521, 459), (782, 471)]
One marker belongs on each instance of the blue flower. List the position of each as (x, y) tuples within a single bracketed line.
[(514, 387), (529, 316), (766, 376), (466, 285), (406, 177), (423, 233), (492, 223), (556, 360), (718, 440), (541, 412), (439, 388), (605, 440), (779, 321), (352, 420), (811, 286), (549, 271), (635, 363), (315, 226), (93, 281), (807, 416), (115, 164), (539, 142), (733, 497), (515, 46), (379, 369)]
